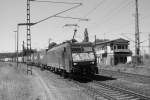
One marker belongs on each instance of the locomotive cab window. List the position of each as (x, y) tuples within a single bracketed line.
[(82, 54), (87, 49), (76, 49)]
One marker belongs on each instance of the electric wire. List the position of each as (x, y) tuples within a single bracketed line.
[(124, 25), (98, 5), (56, 2), (115, 11), (73, 18), (122, 34), (55, 15), (116, 8), (145, 17)]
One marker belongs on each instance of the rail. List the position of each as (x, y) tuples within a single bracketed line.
[(120, 93)]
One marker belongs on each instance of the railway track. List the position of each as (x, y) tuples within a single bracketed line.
[(117, 74), (105, 91), (128, 74), (117, 93)]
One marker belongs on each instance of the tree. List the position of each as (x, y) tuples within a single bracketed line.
[(27, 52), (86, 37), (51, 45)]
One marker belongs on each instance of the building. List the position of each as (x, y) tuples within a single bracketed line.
[(113, 52)]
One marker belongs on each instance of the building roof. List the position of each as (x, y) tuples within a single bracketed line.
[(120, 40)]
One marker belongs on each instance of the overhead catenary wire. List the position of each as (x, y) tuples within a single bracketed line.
[(55, 15), (73, 18), (127, 24), (115, 11), (70, 3), (92, 10), (141, 46), (146, 16), (122, 34)]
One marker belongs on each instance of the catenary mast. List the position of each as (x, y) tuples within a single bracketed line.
[(137, 35), (28, 38)]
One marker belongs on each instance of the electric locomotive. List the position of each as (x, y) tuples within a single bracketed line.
[(73, 58)]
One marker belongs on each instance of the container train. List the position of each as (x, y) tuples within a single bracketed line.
[(69, 58)]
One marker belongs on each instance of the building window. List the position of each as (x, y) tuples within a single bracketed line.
[(123, 46), (111, 47), (115, 47), (126, 46), (119, 46)]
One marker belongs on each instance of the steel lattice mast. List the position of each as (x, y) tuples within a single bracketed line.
[(28, 36), (137, 35)]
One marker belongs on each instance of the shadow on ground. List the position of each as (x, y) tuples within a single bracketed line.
[(84, 79), (102, 78)]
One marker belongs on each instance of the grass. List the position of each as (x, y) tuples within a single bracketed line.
[(14, 84)]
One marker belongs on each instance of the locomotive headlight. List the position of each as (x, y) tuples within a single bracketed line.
[(74, 63), (92, 62)]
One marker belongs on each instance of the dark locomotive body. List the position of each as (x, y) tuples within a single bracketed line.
[(72, 58)]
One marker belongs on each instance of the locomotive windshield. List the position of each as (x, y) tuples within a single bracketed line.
[(82, 54)]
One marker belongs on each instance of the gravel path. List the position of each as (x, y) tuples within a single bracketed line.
[(60, 88), (49, 89)]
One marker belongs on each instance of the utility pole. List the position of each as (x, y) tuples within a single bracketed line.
[(17, 43), (23, 52), (15, 47), (95, 40), (137, 35), (149, 44), (29, 68)]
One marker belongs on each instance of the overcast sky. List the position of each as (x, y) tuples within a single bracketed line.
[(109, 19)]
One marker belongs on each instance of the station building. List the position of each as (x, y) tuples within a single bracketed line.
[(113, 52)]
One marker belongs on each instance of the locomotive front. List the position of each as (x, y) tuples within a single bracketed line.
[(84, 59)]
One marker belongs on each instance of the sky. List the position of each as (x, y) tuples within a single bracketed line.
[(108, 19)]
